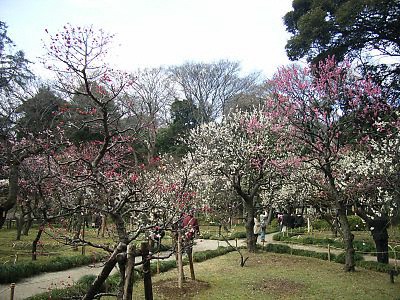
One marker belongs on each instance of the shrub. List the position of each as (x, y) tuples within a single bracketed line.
[(366, 247), (164, 266), (75, 291), (15, 272), (205, 235), (238, 235), (309, 240), (314, 254), (356, 223), (278, 248), (320, 224), (341, 258), (375, 266), (274, 226)]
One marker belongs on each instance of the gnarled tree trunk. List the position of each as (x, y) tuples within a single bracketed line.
[(10, 200), (36, 241), (348, 238), (108, 266), (251, 238)]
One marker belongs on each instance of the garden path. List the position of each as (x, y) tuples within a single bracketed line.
[(47, 281)]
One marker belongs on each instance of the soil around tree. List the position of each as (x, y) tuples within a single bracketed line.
[(169, 288), (278, 286)]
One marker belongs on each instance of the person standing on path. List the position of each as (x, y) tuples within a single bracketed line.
[(263, 224), (256, 229)]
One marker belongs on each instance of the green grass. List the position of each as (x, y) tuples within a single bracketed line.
[(48, 248), (211, 231), (280, 276), (16, 259)]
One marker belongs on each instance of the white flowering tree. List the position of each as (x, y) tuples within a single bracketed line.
[(245, 153), (324, 106), (371, 181)]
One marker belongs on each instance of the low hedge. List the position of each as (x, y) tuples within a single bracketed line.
[(363, 247), (14, 272), (359, 259), (342, 257), (230, 236), (279, 248), (375, 266), (208, 254)]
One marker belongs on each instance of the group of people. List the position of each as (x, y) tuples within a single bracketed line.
[(187, 222), (286, 221)]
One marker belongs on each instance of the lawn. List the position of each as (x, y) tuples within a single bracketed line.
[(47, 248), (274, 276), (50, 247)]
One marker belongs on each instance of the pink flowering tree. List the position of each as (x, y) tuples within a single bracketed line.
[(244, 152), (322, 105), (99, 174)]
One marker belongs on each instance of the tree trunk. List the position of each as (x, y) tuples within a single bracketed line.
[(348, 238), (179, 262), (36, 241), (27, 225), (378, 227), (251, 238), (77, 229), (11, 199), (20, 224), (270, 214), (122, 270), (332, 221), (148, 287), (191, 266), (382, 249), (108, 266)]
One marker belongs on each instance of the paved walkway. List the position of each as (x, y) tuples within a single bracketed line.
[(47, 281)]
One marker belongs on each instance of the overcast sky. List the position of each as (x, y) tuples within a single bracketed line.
[(151, 33)]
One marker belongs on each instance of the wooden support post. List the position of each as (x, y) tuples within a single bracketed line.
[(148, 287), (158, 256), (12, 288), (329, 252), (190, 256), (128, 286), (179, 263), (103, 225), (83, 237)]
